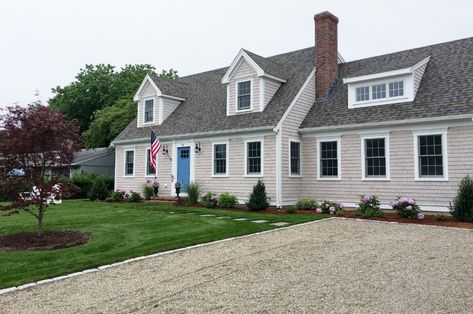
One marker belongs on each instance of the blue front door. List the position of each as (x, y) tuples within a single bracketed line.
[(183, 166)]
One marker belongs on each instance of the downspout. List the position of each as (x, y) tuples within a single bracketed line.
[(278, 166)]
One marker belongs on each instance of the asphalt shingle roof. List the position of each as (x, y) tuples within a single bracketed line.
[(204, 108), (446, 87), (87, 154)]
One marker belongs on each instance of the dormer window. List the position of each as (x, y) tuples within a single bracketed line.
[(244, 95), (396, 89), (379, 91), (362, 93), (149, 111)]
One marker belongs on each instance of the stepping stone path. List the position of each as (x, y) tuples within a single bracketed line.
[(240, 219), (207, 215), (280, 224), (223, 217), (259, 221)]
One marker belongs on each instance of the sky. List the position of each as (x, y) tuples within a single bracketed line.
[(44, 44)]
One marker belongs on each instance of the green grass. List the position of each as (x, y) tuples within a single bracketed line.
[(120, 231)]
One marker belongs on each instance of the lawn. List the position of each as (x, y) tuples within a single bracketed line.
[(120, 231)]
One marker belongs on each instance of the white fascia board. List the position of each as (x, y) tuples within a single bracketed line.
[(420, 63), (142, 86)]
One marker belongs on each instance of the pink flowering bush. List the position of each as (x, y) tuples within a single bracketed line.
[(368, 206), (406, 207), (330, 207)]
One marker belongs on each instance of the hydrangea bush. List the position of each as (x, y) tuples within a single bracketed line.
[(330, 207), (368, 206), (407, 208)]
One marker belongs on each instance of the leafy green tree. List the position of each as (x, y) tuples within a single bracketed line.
[(170, 74)]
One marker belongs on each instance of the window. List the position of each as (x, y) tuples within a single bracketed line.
[(253, 157), (396, 89), (430, 156), (295, 150), (150, 171), (149, 109), (244, 95), (362, 93), (379, 91), (375, 157), (220, 159), (129, 162), (329, 159)]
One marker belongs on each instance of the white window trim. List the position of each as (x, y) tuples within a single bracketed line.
[(339, 158), (124, 163), (363, 138), (220, 175), (248, 79), (443, 132), (147, 175), (254, 175), (144, 109), (295, 175)]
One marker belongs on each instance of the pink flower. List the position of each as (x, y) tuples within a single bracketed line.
[(341, 205), (409, 208), (331, 210), (403, 200), (394, 204), (318, 210), (420, 216), (367, 198), (411, 201)]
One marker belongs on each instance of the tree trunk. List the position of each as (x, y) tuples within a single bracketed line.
[(40, 220)]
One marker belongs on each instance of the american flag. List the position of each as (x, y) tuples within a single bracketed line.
[(154, 150)]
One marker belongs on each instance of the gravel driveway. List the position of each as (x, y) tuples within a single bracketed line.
[(337, 265)]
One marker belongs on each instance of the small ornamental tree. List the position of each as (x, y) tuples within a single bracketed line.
[(462, 207), (258, 199), (35, 139)]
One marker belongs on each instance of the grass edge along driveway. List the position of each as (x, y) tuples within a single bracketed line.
[(121, 231)]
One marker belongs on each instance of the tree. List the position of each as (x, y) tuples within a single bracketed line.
[(171, 74), (34, 139), (258, 199), (462, 207)]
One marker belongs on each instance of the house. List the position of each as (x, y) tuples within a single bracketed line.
[(99, 160), (310, 124)]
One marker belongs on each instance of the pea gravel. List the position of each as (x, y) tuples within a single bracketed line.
[(339, 265)]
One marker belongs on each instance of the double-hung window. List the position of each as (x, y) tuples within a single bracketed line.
[(129, 162), (149, 111), (253, 158), (150, 171), (376, 158), (295, 156), (329, 159), (244, 95), (430, 156), (220, 159)]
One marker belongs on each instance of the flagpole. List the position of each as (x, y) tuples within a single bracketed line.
[(155, 172)]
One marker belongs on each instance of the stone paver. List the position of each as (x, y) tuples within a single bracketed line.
[(241, 219), (223, 217), (332, 266), (259, 221), (207, 215), (280, 224)]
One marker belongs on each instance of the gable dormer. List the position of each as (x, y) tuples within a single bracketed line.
[(155, 103), (385, 88), (251, 82)]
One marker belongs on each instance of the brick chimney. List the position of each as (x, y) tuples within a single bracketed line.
[(326, 51)]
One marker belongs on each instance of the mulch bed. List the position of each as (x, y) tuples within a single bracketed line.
[(49, 240)]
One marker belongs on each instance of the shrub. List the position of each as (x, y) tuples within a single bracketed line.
[(209, 200), (134, 197), (193, 193), (148, 192), (406, 207), (117, 196), (441, 217), (462, 207), (368, 206), (330, 207), (108, 200), (258, 199), (306, 204), (98, 190), (227, 200), (85, 181), (291, 209)]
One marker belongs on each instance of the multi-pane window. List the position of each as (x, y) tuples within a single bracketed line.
[(253, 157), (379, 91), (149, 169), (220, 159), (430, 156), (396, 89), (244, 95), (129, 162), (149, 109), (329, 159), (362, 93), (295, 148), (375, 157)]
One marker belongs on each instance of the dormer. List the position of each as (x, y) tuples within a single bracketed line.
[(251, 82), (156, 103), (385, 88)]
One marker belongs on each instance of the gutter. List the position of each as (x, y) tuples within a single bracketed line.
[(349, 127)]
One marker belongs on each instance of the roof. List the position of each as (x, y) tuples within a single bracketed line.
[(446, 88), (91, 154), (204, 108)]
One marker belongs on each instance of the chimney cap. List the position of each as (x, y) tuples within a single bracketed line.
[(325, 15)]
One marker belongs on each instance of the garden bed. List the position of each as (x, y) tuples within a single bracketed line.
[(49, 240)]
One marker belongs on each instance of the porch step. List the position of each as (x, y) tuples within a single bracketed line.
[(165, 200)]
